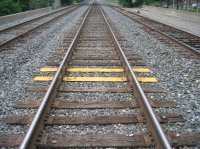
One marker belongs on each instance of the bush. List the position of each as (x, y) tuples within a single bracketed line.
[(67, 2), (46, 3), (156, 4), (9, 7), (148, 2), (138, 3), (79, 1), (128, 3)]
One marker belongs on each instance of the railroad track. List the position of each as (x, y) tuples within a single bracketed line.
[(95, 87), (12, 34), (182, 38)]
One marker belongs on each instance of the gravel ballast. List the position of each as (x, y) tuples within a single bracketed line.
[(128, 130), (20, 65), (178, 75)]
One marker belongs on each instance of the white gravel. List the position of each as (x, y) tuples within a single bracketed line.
[(95, 112), (20, 65), (95, 96), (178, 75), (128, 130)]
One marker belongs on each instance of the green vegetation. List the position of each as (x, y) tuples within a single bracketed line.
[(14, 6), (69, 2), (113, 1), (179, 4), (9, 7), (193, 10), (127, 3), (152, 3)]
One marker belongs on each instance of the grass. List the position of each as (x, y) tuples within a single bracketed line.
[(155, 4), (193, 10), (112, 1)]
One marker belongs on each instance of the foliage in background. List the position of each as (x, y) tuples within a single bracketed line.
[(8, 7), (79, 1), (128, 3), (138, 3), (178, 4), (113, 1), (13, 6), (68, 2)]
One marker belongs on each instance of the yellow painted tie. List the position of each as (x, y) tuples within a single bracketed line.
[(96, 79), (105, 70)]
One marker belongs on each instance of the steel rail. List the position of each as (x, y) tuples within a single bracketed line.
[(159, 135), (9, 41), (32, 20), (185, 46), (35, 127)]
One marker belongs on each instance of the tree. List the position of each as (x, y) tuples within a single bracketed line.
[(79, 1), (168, 3), (46, 3), (67, 2), (9, 7), (128, 3), (25, 4), (178, 4)]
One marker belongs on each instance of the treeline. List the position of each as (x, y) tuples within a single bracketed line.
[(130, 3), (178, 4), (68, 2), (14, 6)]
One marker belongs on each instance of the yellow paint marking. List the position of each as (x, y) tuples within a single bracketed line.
[(147, 79), (115, 70), (144, 70), (43, 78), (97, 79), (54, 69)]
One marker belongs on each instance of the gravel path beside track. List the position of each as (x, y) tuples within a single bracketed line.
[(179, 75), (27, 18), (20, 65), (186, 25), (15, 22)]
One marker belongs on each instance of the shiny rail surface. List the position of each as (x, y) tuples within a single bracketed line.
[(182, 38), (51, 93), (161, 140), (23, 29)]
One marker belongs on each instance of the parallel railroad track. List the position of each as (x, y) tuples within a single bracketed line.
[(182, 38), (96, 67), (14, 33)]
